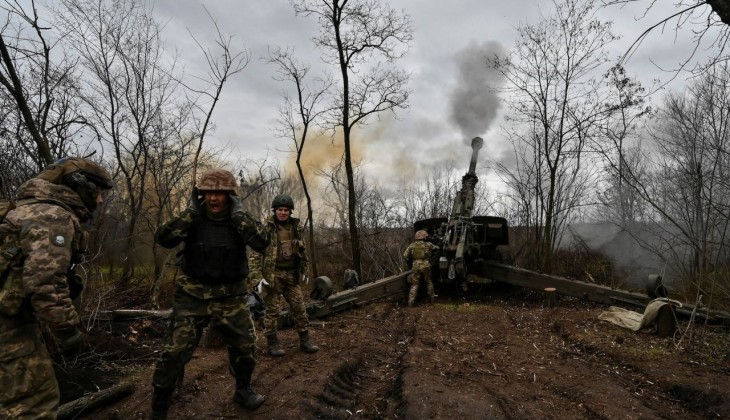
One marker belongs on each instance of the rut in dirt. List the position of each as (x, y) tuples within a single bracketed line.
[(370, 384)]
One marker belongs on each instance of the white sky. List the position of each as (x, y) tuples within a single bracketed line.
[(423, 136)]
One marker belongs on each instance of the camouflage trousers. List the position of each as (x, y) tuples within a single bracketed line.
[(28, 387), (189, 316), (286, 284), (421, 271)]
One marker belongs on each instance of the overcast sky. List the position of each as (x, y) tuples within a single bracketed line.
[(424, 137)]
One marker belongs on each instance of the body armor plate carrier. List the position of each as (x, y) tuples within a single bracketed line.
[(214, 253)]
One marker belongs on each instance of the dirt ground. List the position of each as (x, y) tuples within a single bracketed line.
[(502, 357)]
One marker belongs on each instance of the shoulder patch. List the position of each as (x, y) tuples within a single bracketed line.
[(58, 240)]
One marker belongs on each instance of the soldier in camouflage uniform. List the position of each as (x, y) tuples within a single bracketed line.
[(419, 252), (212, 287), (280, 270), (41, 240)]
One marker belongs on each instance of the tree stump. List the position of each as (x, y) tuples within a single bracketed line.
[(550, 297)]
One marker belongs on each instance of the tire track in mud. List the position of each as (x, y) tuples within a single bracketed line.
[(369, 383)]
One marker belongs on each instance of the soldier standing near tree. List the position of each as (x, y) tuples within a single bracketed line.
[(419, 252), (212, 289), (280, 270), (40, 242)]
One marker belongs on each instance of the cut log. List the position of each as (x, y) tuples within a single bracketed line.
[(550, 297), (93, 401), (141, 313)]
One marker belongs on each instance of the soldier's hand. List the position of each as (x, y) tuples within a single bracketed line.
[(239, 217), (235, 204), (195, 205), (71, 339), (305, 279), (75, 285)]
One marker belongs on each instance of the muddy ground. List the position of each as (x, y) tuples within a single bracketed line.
[(504, 356)]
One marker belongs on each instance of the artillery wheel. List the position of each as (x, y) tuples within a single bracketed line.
[(321, 288), (654, 287)]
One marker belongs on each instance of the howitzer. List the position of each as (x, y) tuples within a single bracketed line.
[(468, 255), (466, 241)]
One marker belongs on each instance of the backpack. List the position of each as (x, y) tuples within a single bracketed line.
[(12, 257), (11, 281)]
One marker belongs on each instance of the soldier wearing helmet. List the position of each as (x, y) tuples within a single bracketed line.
[(280, 270), (419, 254), (41, 240), (214, 230)]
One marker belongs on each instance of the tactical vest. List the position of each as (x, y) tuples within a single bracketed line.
[(288, 247), (214, 252), (421, 251)]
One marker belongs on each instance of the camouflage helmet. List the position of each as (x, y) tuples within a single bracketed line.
[(421, 234), (83, 176), (282, 200), (218, 180), (56, 172)]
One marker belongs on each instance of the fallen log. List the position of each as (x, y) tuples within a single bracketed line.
[(141, 313), (93, 401)]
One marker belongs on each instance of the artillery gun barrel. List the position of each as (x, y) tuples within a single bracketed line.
[(476, 145)]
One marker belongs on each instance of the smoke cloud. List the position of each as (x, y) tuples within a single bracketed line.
[(474, 101), (322, 152)]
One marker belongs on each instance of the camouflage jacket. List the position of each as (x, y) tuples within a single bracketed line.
[(48, 229), (261, 265), (176, 231), (420, 250)]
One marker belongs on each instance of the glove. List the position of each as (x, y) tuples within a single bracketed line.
[(75, 285), (260, 287), (195, 206), (305, 279), (235, 204), (238, 216), (70, 339)]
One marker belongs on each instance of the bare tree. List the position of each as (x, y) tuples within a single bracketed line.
[(137, 102), (693, 140), (551, 75), (708, 20), (260, 181), (682, 181), (38, 79), (298, 113), (223, 64), (127, 92), (628, 111), (354, 36)]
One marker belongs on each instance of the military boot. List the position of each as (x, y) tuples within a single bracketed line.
[(246, 397), (161, 399), (274, 347), (304, 344)]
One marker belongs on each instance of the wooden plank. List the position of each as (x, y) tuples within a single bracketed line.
[(393, 287), (567, 287), (588, 291)]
